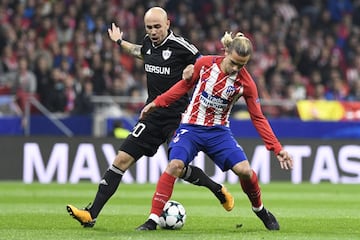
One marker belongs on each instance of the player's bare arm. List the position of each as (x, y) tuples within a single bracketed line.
[(116, 34)]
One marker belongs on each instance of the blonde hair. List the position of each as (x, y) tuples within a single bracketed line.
[(241, 44)]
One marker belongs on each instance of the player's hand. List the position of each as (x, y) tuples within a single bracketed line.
[(188, 72), (286, 161), (115, 33), (147, 109)]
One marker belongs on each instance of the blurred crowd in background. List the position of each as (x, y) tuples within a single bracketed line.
[(60, 53)]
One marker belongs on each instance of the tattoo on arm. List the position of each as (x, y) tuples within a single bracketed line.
[(132, 49), (136, 51)]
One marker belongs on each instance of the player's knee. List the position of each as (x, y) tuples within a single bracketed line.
[(243, 170), (123, 160), (175, 167), (246, 173)]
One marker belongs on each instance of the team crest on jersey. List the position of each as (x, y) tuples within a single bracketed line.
[(230, 90), (166, 54)]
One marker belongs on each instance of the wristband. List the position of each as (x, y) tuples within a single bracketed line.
[(119, 42)]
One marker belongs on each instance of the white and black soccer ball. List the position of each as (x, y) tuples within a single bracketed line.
[(173, 216)]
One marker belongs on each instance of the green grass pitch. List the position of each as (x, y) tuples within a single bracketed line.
[(304, 211)]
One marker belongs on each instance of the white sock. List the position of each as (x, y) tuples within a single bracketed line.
[(258, 209), (154, 217)]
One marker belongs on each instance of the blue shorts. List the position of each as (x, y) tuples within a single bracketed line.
[(217, 142)]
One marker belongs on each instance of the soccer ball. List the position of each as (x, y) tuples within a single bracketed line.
[(173, 216)]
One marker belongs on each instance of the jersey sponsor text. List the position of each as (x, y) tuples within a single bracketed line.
[(213, 101), (157, 69)]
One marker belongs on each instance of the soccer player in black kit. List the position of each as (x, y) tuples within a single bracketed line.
[(165, 57)]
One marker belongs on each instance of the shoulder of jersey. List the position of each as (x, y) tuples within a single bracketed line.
[(182, 42), (146, 39), (206, 59)]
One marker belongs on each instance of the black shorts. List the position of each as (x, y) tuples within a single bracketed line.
[(148, 135)]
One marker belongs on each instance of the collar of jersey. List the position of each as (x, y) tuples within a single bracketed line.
[(170, 34)]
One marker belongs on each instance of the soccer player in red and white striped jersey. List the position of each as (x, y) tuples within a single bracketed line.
[(219, 82)]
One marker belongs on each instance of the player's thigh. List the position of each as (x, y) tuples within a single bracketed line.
[(145, 139), (225, 151), (183, 146)]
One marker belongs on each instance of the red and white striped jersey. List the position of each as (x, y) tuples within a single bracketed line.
[(214, 96)]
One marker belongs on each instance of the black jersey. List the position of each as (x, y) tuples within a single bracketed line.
[(164, 65)]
